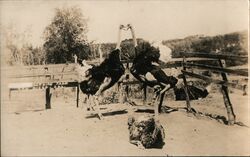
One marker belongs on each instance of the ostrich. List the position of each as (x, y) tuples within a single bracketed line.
[(103, 76), (143, 65)]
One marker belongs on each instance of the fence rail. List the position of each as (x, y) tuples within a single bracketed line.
[(65, 75), (217, 69), (222, 69), (214, 55)]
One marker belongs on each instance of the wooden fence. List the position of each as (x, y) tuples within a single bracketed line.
[(42, 77), (65, 75), (187, 70)]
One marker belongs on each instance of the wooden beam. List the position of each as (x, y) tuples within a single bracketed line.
[(172, 60), (77, 96), (47, 98), (42, 74), (131, 82), (34, 67), (222, 82), (214, 55), (224, 91), (189, 109), (217, 69)]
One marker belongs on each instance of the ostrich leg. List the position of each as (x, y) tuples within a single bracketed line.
[(99, 93), (96, 103), (108, 82), (159, 97), (162, 94), (161, 101), (157, 90)]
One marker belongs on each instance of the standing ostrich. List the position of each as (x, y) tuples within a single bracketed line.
[(143, 64), (103, 76)]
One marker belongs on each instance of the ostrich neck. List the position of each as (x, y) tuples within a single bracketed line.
[(133, 36), (118, 45)]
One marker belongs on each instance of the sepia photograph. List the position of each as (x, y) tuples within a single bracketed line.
[(124, 78)]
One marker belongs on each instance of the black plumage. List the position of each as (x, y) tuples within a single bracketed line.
[(146, 55), (195, 92), (111, 67)]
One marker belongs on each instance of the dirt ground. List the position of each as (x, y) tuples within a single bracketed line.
[(29, 130)]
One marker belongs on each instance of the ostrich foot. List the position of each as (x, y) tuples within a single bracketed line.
[(192, 112), (97, 107), (100, 116)]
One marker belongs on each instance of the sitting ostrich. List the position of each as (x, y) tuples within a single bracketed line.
[(143, 64), (103, 76)]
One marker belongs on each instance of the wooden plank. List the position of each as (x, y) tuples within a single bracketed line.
[(214, 55), (171, 64), (189, 109), (47, 98), (131, 82), (193, 59), (224, 91), (16, 86), (172, 60), (69, 84), (28, 75), (206, 78), (20, 85), (243, 67), (77, 96), (217, 69), (42, 74), (34, 67), (177, 62)]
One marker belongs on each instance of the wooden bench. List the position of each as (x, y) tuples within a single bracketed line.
[(45, 77)]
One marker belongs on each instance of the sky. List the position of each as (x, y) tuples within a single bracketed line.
[(152, 20)]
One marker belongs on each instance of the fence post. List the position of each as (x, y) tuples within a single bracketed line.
[(224, 91), (48, 98), (244, 90), (77, 95), (189, 109)]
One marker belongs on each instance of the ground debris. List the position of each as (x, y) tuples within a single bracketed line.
[(145, 132)]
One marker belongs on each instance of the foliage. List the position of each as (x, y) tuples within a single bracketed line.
[(18, 50), (66, 36), (127, 48), (32, 56), (233, 44), (27, 55)]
